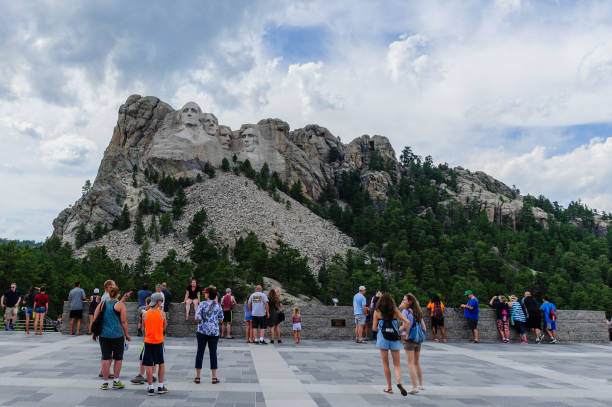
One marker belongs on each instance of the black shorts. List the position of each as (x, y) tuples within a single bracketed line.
[(112, 348), (437, 321), (153, 354), (260, 322), (472, 323), (534, 321), (227, 317), (76, 313)]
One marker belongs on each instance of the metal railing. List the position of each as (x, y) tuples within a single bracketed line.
[(49, 325)]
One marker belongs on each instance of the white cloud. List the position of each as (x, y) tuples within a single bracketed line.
[(67, 150), (407, 58), (582, 173)]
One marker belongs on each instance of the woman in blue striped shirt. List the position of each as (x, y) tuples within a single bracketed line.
[(518, 317)]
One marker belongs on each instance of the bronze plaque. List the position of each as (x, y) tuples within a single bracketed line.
[(338, 322)]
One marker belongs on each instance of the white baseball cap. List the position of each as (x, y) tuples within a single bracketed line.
[(96, 291), (362, 288)]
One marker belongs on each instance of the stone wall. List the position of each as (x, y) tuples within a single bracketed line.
[(573, 325)]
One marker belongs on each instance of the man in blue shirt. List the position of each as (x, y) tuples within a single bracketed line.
[(470, 313), (550, 317), (142, 298), (360, 310)]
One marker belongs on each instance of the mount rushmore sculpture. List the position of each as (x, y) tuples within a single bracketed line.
[(189, 133), (151, 135)]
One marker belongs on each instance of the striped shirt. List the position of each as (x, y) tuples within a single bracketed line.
[(517, 310)]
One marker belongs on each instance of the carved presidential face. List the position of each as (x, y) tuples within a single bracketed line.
[(210, 123), (250, 139), (225, 137), (190, 114)]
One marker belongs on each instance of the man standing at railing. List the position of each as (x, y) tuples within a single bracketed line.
[(10, 304), (75, 301)]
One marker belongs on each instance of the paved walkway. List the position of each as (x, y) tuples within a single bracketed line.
[(55, 370)]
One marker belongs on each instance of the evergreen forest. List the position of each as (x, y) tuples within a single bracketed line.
[(416, 241)]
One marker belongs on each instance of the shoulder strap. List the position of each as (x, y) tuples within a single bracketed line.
[(212, 304)]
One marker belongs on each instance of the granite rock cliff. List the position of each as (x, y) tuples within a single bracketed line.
[(151, 137)]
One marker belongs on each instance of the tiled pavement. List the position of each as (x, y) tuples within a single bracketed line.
[(55, 370)]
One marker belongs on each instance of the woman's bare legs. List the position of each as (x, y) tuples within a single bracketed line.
[(187, 308), (412, 368), (397, 366), (384, 355), (417, 366)]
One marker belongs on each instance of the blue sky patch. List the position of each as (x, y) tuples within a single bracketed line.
[(297, 44)]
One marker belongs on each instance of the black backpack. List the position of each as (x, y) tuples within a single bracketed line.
[(389, 331), (98, 323)]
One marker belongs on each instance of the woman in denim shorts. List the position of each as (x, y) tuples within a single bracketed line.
[(28, 300), (387, 311)]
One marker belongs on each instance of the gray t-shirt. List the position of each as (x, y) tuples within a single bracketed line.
[(258, 302), (76, 298)]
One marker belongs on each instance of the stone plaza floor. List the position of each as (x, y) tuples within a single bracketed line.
[(56, 370)]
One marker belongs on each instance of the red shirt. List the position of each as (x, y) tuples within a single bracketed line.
[(41, 300)]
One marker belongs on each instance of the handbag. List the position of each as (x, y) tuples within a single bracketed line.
[(281, 316), (96, 326), (417, 334)]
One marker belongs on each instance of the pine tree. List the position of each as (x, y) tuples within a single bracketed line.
[(124, 219), (82, 236), (139, 230), (143, 262), (225, 165), (98, 231), (179, 203), (153, 231), (165, 224), (197, 224), (86, 188)]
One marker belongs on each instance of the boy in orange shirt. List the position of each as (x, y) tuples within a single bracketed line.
[(154, 322)]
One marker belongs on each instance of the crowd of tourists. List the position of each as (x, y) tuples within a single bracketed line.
[(212, 313), (393, 327), (404, 326)]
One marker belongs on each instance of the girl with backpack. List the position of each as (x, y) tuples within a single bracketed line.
[(414, 335), (518, 318), (388, 339), (436, 307)]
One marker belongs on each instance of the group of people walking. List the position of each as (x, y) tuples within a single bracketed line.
[(36, 303)]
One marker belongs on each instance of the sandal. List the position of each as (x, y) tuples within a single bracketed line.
[(402, 390), (196, 380), (390, 391), (215, 380)]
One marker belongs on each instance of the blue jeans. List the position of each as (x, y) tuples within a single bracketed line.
[(212, 350)]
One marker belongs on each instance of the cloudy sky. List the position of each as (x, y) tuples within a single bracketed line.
[(519, 89)]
